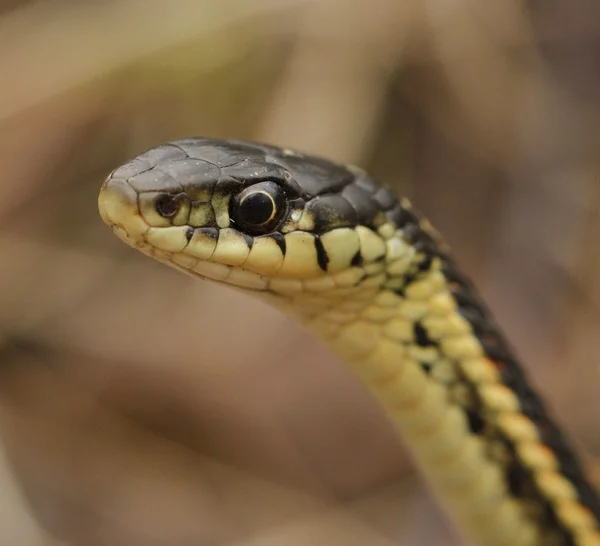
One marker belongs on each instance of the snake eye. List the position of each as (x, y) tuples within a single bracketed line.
[(259, 207), (167, 205)]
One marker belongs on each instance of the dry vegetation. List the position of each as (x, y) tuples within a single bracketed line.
[(136, 408)]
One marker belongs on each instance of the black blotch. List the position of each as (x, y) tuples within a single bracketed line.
[(189, 233), (425, 264), (421, 336), (550, 520), (411, 277), (532, 406), (357, 259), (322, 257), (422, 241), (453, 274), (509, 373), (495, 352), (249, 240), (400, 291), (211, 232), (516, 477), (408, 279), (476, 318), (476, 422), (280, 240), (464, 299), (426, 367)]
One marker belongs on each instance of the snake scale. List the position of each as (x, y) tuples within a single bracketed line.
[(370, 276)]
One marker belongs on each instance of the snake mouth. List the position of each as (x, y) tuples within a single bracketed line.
[(119, 207)]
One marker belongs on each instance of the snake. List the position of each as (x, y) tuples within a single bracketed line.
[(368, 274)]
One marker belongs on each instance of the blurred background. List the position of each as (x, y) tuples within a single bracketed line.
[(139, 407)]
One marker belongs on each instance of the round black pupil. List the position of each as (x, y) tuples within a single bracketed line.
[(256, 208), (167, 205)]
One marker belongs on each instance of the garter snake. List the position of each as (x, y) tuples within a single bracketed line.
[(369, 275)]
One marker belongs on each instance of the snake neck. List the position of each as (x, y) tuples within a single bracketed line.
[(371, 277), (413, 330)]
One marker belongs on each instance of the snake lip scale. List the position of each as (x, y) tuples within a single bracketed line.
[(368, 274)]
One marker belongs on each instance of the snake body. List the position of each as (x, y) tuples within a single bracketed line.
[(370, 276)]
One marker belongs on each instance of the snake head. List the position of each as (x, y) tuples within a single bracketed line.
[(256, 217)]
